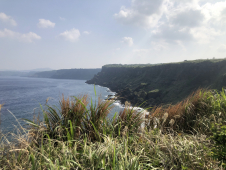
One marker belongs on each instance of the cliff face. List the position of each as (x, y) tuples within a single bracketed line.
[(79, 74), (161, 84)]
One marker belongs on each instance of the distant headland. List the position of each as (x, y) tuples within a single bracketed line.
[(78, 74)]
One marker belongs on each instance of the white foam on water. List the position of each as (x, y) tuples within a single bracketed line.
[(120, 105)]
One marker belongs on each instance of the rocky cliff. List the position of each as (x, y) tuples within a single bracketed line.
[(162, 83)]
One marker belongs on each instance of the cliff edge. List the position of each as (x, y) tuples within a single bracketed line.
[(162, 83)]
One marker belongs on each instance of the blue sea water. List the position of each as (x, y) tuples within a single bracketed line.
[(22, 96)]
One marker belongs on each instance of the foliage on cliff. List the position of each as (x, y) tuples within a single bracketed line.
[(161, 83)]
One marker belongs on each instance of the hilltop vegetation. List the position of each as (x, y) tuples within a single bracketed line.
[(150, 65), (79, 74), (188, 135), (161, 83)]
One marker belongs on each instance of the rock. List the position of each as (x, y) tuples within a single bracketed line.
[(154, 94)]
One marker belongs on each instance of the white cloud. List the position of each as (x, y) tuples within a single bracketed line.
[(86, 32), (28, 37), (172, 33), (143, 13), (188, 18), (7, 19), (160, 45), (141, 52), (127, 16), (222, 48), (173, 21), (7, 33), (43, 23), (127, 40), (62, 19), (71, 35), (213, 11), (147, 7), (204, 35)]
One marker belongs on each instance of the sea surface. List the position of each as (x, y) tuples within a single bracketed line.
[(23, 96)]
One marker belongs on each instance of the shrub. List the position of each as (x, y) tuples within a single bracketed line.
[(74, 119), (192, 115), (79, 136), (0, 118), (0, 111), (128, 121), (219, 137)]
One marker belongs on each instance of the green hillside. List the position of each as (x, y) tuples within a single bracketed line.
[(161, 83)]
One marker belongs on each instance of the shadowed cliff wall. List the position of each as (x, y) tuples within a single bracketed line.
[(163, 83)]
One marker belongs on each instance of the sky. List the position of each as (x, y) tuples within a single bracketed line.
[(64, 34)]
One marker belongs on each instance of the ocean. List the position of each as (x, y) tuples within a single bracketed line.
[(23, 96)]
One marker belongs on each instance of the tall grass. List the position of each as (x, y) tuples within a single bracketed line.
[(151, 151), (80, 136), (1, 105), (195, 114)]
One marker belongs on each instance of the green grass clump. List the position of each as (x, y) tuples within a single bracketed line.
[(1, 105), (219, 136), (80, 136), (195, 114)]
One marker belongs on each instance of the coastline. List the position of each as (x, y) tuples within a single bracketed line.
[(118, 102)]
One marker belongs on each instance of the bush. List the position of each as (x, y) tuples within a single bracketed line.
[(76, 120), (80, 136), (219, 137), (194, 114), (128, 121)]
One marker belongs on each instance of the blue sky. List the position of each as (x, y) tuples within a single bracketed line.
[(61, 34)]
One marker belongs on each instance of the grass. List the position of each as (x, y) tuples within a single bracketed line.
[(1, 105), (80, 136), (193, 115)]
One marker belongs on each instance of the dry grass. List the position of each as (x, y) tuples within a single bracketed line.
[(180, 108), (73, 105), (153, 150), (1, 105), (75, 117), (129, 120), (185, 115), (118, 144)]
